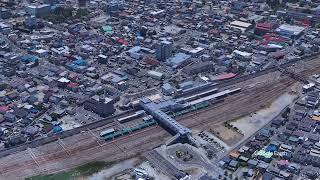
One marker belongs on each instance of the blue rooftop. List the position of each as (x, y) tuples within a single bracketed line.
[(57, 129), (29, 58), (134, 49), (178, 59), (80, 62)]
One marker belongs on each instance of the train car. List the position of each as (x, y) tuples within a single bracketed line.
[(112, 136), (147, 118), (107, 132)]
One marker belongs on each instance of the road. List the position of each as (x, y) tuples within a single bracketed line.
[(80, 148)]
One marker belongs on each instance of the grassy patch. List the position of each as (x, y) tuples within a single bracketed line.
[(84, 170)]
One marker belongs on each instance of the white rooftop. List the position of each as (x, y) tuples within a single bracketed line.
[(240, 24), (242, 53), (295, 29)]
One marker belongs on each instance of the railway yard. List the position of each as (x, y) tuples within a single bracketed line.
[(87, 146), (164, 90)]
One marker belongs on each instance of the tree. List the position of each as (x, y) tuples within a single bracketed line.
[(226, 173), (54, 116), (273, 4)]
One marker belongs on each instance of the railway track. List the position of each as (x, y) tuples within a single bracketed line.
[(56, 156), (89, 145), (234, 111), (92, 145), (106, 121), (195, 121), (277, 90)]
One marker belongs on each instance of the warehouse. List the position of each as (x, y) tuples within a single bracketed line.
[(194, 52), (201, 67), (156, 75), (178, 60), (243, 26), (290, 31)]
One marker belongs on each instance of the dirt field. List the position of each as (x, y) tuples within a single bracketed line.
[(227, 135)]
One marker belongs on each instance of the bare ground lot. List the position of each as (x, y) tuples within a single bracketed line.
[(227, 135)]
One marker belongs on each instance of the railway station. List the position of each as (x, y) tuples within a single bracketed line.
[(180, 89)]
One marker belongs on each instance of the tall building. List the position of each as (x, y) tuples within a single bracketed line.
[(30, 22), (38, 10), (164, 50), (101, 106), (5, 13)]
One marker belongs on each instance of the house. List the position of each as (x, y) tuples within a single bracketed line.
[(272, 147), (267, 176), (313, 138), (265, 132), (273, 170), (167, 89), (305, 127), (223, 164), (248, 173), (9, 117), (285, 175), (307, 144), (283, 164), (262, 166), (278, 122), (252, 164), (293, 168), (292, 126), (20, 113), (298, 133), (233, 165), (264, 155), (294, 140), (234, 155)]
